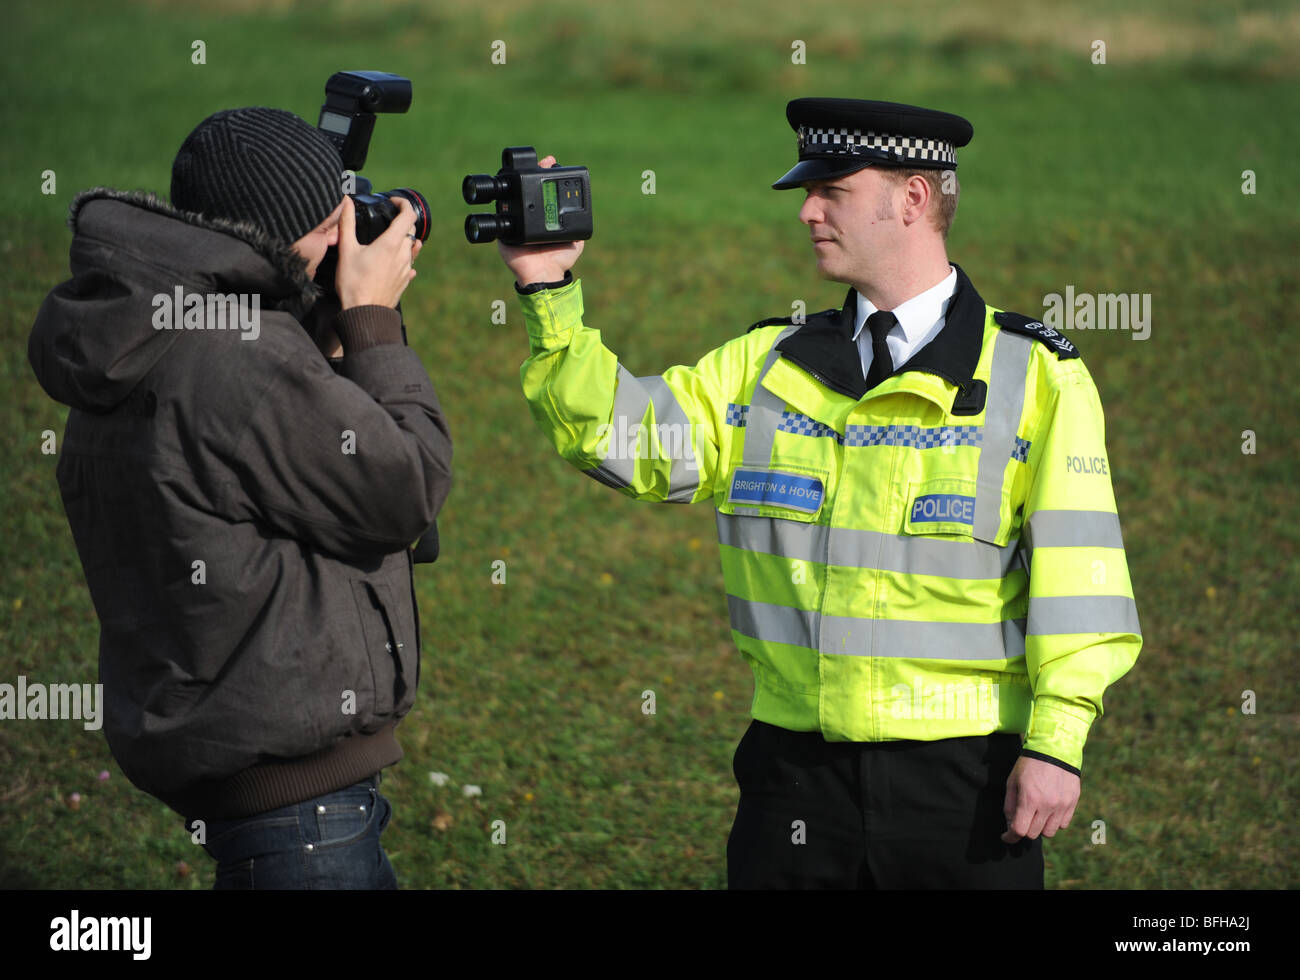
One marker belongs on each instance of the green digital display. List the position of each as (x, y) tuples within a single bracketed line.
[(550, 206)]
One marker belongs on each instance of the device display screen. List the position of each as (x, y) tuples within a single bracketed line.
[(550, 205), (334, 122)]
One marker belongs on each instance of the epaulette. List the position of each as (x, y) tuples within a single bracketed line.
[(1057, 341), (774, 320)]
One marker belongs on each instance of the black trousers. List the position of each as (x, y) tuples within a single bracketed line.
[(905, 814)]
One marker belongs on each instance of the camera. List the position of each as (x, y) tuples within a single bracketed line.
[(348, 119), (533, 205)]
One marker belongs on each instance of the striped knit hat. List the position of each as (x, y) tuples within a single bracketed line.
[(264, 166)]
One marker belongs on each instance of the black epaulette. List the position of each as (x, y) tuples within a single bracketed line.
[(1057, 341), (784, 320)]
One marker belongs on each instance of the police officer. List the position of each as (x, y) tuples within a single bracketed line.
[(929, 584)]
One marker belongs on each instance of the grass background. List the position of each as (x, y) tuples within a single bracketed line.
[(1122, 177)]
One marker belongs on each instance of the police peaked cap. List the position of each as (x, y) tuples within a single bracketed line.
[(839, 136)]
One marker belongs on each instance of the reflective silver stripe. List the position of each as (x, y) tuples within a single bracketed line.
[(1075, 529), (902, 553), (630, 403), (773, 624), (893, 638), (1006, 403), (633, 397), (1052, 616), (684, 478), (764, 413), (603, 474)]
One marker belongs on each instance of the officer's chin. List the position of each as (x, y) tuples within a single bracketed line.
[(830, 275)]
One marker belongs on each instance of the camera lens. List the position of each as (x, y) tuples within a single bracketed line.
[(421, 207), (481, 188), (481, 228)]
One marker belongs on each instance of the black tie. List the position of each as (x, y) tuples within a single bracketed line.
[(882, 365)]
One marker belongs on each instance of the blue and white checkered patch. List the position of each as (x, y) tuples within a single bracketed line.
[(913, 436), (907, 436), (799, 424)]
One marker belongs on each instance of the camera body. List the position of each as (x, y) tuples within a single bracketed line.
[(348, 120), (534, 205)]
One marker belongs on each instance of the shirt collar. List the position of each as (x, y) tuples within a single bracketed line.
[(918, 315), (824, 345)]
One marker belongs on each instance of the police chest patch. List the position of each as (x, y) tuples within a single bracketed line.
[(772, 488), (1057, 341), (951, 507)]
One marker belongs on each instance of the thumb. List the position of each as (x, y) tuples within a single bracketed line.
[(1010, 804), (348, 225)]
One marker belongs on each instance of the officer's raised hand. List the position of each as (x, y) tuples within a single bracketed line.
[(540, 263)]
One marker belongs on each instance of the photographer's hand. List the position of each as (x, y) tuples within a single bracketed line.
[(376, 274), (540, 263)]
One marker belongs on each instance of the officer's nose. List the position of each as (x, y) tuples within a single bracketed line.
[(811, 210)]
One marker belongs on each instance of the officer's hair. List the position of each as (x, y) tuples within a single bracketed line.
[(942, 206)]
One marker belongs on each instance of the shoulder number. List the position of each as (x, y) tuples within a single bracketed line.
[(1057, 341)]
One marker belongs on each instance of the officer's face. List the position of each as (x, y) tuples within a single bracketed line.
[(851, 222), (313, 245)]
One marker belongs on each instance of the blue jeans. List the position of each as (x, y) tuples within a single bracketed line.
[(329, 842)]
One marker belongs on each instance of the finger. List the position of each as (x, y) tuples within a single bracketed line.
[(348, 223), (1010, 801), (1037, 824), (1021, 822), (1052, 825), (547, 162), (406, 216), (1009, 805)]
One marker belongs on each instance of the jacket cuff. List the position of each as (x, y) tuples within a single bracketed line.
[(363, 327), (1047, 758), (552, 315), (1057, 730), (537, 287)]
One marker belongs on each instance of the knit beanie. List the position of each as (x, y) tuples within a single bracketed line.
[(265, 166)]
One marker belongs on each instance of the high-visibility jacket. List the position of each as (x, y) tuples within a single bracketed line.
[(937, 557)]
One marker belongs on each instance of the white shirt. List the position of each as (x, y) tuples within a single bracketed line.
[(919, 321)]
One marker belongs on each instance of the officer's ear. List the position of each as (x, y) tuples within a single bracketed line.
[(917, 195)]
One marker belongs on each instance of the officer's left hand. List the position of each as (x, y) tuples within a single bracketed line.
[(1040, 798)]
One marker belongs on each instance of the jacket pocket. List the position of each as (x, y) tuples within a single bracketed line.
[(385, 646), (947, 507)]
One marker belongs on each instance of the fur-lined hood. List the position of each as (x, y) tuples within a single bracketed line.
[(94, 337), (288, 263)]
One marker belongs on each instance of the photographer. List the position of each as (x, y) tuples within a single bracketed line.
[(243, 498)]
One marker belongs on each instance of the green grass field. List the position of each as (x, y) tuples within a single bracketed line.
[(1116, 177)]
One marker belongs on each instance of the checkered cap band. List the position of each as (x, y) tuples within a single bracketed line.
[(821, 141)]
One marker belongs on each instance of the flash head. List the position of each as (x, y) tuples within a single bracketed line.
[(351, 100)]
